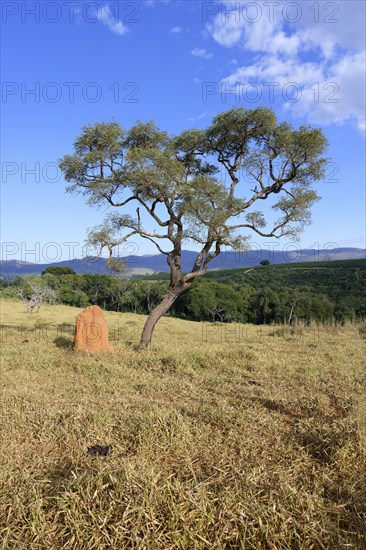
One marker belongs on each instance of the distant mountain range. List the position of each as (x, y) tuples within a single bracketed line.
[(141, 265)]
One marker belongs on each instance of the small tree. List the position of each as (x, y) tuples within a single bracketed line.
[(34, 293), (175, 183), (296, 296), (264, 262)]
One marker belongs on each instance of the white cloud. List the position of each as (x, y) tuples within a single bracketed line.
[(272, 69), (341, 23), (200, 52), (320, 26), (176, 30), (348, 73), (106, 17), (326, 59), (199, 117), (326, 93), (262, 36)]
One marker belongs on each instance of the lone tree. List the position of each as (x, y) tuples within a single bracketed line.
[(58, 271), (197, 186)]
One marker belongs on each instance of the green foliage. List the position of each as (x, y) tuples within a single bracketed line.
[(58, 270), (310, 291), (74, 297), (211, 301), (321, 290), (317, 290), (9, 292)]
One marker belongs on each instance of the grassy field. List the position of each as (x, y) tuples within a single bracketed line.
[(233, 437)]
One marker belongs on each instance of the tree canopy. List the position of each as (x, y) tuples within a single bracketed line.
[(58, 270)]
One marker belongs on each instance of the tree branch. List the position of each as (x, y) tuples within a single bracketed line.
[(196, 271)]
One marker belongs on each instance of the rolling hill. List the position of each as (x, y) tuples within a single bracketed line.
[(147, 264)]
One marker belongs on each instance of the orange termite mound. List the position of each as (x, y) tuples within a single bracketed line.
[(91, 331)]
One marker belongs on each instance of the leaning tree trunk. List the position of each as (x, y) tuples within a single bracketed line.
[(157, 313)]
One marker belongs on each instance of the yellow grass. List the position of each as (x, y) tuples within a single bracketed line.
[(235, 437)]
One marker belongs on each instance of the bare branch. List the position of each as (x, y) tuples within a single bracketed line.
[(145, 236)]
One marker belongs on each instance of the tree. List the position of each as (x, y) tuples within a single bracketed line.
[(302, 303), (97, 287), (264, 262), (35, 292), (295, 296), (58, 270), (197, 304), (175, 183), (264, 303)]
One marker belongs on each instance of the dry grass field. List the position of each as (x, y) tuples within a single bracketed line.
[(224, 437)]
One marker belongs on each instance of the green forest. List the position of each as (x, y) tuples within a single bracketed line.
[(311, 291)]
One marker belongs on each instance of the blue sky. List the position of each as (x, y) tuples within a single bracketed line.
[(65, 64)]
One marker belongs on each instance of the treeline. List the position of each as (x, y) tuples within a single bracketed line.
[(326, 291), (336, 289), (310, 291), (108, 292)]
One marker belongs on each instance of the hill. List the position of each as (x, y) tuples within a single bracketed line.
[(157, 263)]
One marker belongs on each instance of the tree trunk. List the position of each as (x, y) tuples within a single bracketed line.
[(291, 313), (157, 313)]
